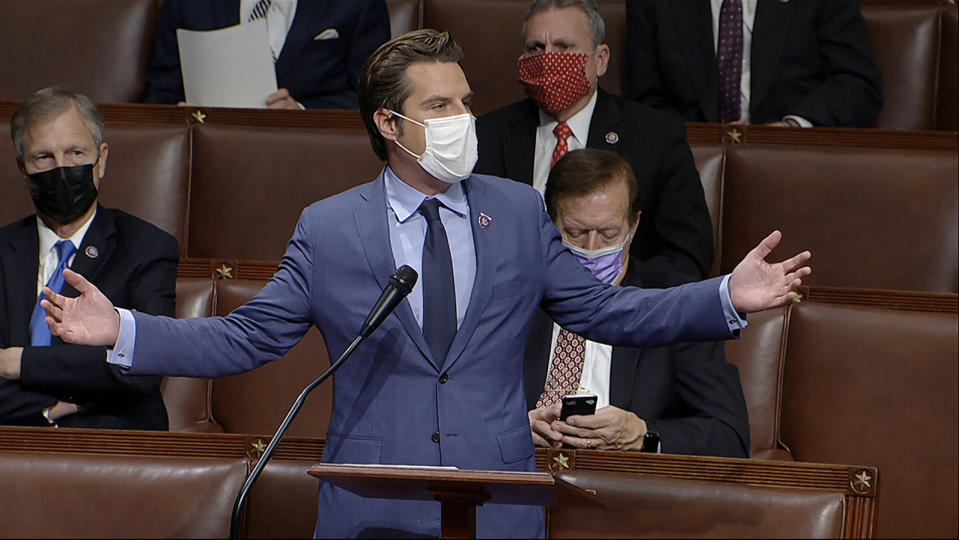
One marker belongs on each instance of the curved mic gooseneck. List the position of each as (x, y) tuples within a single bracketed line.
[(400, 285)]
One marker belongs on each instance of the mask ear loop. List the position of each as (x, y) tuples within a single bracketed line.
[(397, 141)]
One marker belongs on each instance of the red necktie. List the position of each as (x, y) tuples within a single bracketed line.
[(729, 54), (562, 133), (567, 370)]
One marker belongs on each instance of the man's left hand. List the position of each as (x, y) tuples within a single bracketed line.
[(10, 363), (611, 428), (281, 99), (756, 285)]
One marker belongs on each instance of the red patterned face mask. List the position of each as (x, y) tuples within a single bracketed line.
[(554, 80)]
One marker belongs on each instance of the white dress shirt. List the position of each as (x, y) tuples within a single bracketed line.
[(48, 253), (546, 141)]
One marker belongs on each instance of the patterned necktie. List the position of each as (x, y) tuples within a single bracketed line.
[(439, 293), (40, 335), (562, 133), (568, 359), (730, 59), (259, 10)]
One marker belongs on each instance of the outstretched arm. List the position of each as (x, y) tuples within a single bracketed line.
[(756, 285)]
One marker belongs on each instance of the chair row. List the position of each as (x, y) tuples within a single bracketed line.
[(845, 376), (915, 42), (877, 208), (113, 484)]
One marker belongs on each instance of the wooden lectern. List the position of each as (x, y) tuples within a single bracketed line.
[(459, 491)]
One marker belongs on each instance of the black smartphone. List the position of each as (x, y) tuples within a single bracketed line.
[(577, 405)]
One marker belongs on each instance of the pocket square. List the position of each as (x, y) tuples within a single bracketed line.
[(329, 33)]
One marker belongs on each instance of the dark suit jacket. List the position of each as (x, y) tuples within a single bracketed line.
[(320, 74), (810, 58), (675, 231), (688, 390), (135, 266)]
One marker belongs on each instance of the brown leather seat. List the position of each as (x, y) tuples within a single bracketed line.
[(100, 48), (75, 495), (883, 219), (947, 110), (709, 163), (759, 356), (249, 185), (906, 41), (640, 506), (258, 400), (878, 386)]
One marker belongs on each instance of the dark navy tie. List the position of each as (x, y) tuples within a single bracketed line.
[(40, 335), (439, 293), (729, 53)]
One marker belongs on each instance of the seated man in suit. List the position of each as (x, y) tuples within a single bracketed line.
[(319, 46), (58, 136), (682, 398), (563, 60), (801, 64)]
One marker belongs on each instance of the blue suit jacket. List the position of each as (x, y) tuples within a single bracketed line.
[(390, 398), (318, 73)]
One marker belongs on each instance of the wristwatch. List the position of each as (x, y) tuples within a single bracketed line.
[(651, 439)]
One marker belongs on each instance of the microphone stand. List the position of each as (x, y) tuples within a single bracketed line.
[(268, 453)]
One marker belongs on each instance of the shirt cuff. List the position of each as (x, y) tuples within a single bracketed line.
[(122, 352), (802, 121), (735, 320)]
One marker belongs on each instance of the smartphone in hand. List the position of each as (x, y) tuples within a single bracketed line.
[(577, 405)]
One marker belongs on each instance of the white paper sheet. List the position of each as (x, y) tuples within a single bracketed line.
[(230, 67)]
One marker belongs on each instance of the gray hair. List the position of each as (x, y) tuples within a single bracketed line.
[(589, 7), (49, 103)]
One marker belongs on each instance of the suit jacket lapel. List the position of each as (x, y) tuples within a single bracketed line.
[(770, 27), (308, 17), (519, 142), (370, 218), (693, 26), (607, 115), (484, 242), (20, 263), (622, 371), (95, 250)]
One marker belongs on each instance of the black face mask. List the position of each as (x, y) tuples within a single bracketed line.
[(63, 194)]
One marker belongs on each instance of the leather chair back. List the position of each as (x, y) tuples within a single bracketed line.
[(947, 110), (880, 219), (759, 356), (250, 185), (118, 496), (100, 48), (187, 399), (906, 41), (709, 163), (258, 400), (640, 506), (878, 386)]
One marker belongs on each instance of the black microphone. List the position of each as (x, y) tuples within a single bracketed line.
[(401, 283)]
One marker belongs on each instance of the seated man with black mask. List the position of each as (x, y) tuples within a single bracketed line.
[(682, 398), (58, 135)]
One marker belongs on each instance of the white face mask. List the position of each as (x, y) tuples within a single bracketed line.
[(451, 147)]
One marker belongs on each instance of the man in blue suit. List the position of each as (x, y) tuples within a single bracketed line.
[(441, 382), (319, 46)]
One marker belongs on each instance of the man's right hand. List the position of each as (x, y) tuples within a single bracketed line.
[(88, 319), (540, 422)]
